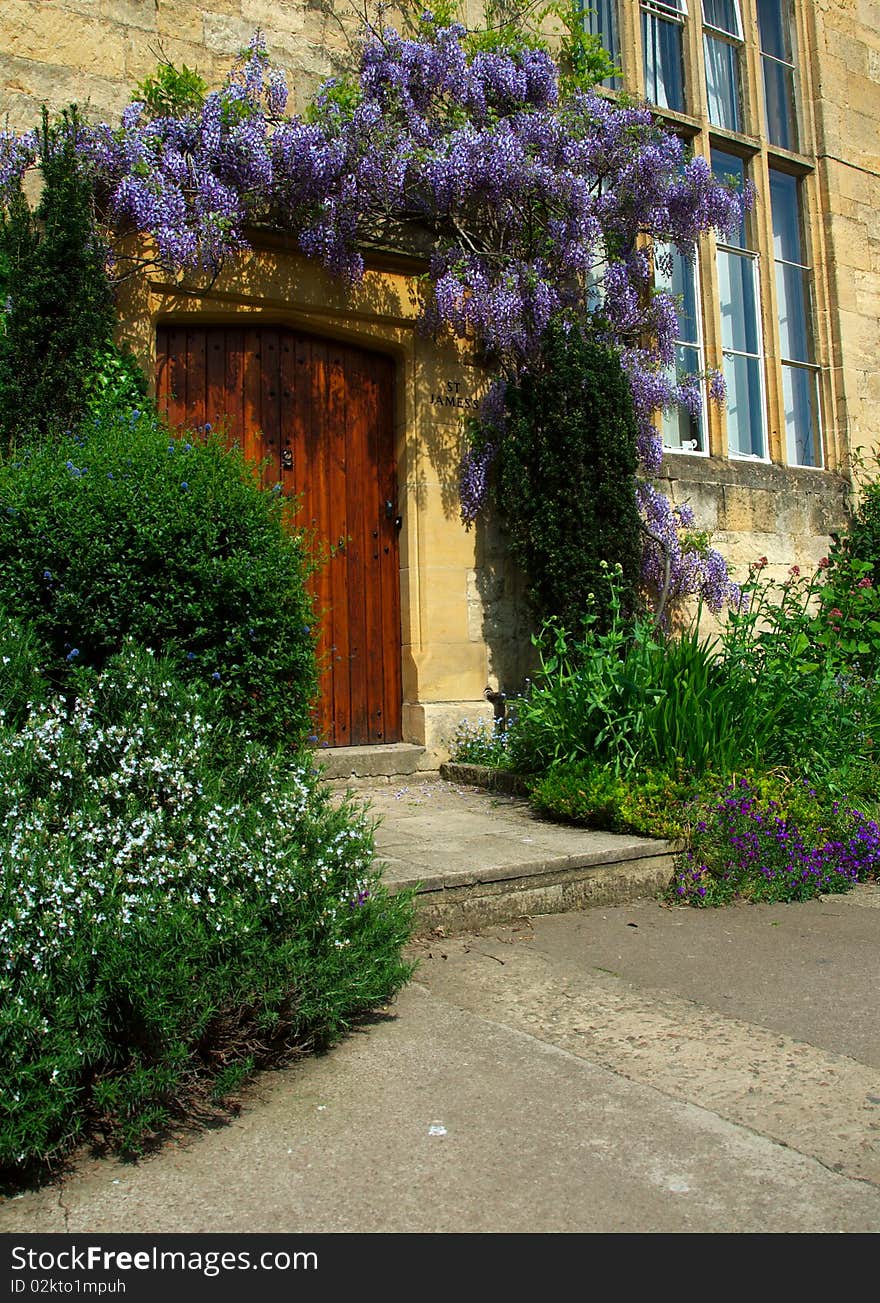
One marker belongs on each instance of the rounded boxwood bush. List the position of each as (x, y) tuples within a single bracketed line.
[(121, 529)]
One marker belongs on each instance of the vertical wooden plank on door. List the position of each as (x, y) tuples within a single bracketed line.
[(389, 556), (289, 423), (270, 407), (357, 492), (295, 400), (163, 369), (316, 514), (235, 369), (376, 525), (176, 410), (251, 438), (215, 378), (338, 536), (195, 378)]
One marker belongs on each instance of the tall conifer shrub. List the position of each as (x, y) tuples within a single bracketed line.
[(566, 478), (59, 307)]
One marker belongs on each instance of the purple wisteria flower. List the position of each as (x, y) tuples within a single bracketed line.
[(535, 204)]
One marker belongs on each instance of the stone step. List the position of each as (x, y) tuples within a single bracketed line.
[(478, 857), (468, 900), (395, 759)]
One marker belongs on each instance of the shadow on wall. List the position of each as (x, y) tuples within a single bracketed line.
[(499, 612)]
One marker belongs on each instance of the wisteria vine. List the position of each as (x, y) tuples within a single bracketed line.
[(529, 200)]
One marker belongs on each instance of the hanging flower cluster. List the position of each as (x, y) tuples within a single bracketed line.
[(532, 201)]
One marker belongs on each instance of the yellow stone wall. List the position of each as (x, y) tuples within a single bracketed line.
[(464, 624), (62, 51), (845, 77)]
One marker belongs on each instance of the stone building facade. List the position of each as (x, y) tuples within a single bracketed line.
[(785, 96)]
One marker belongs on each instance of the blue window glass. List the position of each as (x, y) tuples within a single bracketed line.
[(600, 19), (777, 62), (741, 341), (721, 43), (800, 375), (662, 47)]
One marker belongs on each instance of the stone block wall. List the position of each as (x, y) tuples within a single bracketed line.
[(95, 52), (846, 110)]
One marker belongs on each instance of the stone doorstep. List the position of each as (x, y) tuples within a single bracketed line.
[(394, 760)]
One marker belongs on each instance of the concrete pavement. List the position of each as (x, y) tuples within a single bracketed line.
[(628, 1067)]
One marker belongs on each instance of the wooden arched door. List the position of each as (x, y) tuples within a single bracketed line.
[(319, 414)]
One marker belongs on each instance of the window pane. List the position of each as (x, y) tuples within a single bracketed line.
[(679, 280), (664, 62), (723, 15), (785, 209), (801, 416), (739, 307), (745, 406), (679, 428), (775, 24), (600, 19), (731, 170), (779, 103), (792, 291), (722, 83)]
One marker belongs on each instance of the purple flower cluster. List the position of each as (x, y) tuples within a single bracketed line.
[(749, 846), (694, 566)]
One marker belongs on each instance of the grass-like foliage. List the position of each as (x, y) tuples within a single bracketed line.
[(768, 693), (123, 530), (178, 903)]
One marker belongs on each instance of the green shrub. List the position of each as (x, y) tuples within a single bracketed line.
[(178, 903), (22, 683), (123, 530), (651, 803), (60, 313), (565, 479), (802, 701)]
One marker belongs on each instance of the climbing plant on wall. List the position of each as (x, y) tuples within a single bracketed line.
[(534, 198), (565, 479)]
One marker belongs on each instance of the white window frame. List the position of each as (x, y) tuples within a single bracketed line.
[(799, 363), (753, 260), (723, 31), (790, 65)]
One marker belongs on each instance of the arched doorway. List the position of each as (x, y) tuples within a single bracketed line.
[(319, 415)]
